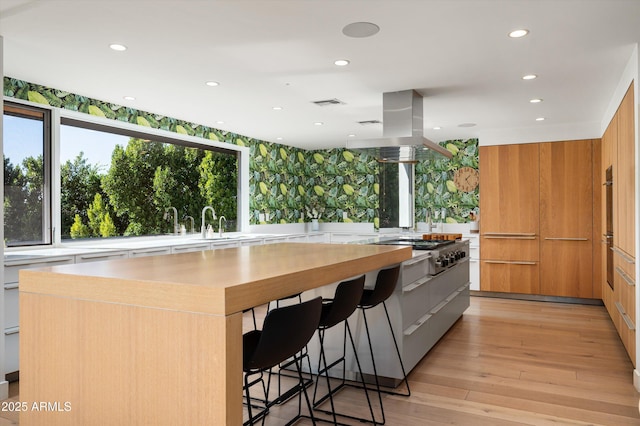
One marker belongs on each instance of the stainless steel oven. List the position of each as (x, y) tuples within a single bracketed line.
[(609, 222)]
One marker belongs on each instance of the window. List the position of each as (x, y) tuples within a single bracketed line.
[(27, 175), (118, 182)]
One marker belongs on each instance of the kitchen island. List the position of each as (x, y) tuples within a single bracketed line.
[(158, 340)]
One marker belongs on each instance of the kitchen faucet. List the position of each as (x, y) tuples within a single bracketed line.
[(203, 229), (176, 228), (220, 225), (193, 226)]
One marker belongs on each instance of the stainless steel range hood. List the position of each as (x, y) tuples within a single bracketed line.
[(402, 131)]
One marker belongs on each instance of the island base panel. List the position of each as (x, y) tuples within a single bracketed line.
[(122, 364)]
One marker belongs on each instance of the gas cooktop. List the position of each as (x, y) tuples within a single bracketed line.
[(416, 243)]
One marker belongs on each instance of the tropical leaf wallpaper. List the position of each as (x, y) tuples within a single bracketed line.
[(286, 182)]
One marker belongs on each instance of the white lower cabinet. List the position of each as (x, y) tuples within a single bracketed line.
[(12, 305)]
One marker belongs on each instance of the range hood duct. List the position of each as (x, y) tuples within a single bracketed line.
[(402, 132)]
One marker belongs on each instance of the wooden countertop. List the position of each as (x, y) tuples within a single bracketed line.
[(218, 282)]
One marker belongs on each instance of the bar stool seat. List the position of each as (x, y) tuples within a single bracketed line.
[(284, 333)]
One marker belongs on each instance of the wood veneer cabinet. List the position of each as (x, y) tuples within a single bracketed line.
[(618, 152), (509, 223), (566, 218), (624, 182)]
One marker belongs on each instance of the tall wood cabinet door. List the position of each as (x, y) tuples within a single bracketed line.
[(624, 233), (510, 189), (566, 218)]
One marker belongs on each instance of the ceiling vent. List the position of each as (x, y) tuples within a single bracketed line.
[(328, 102)]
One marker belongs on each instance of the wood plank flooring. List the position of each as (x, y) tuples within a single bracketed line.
[(508, 362)]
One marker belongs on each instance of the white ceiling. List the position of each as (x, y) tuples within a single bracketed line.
[(280, 53)]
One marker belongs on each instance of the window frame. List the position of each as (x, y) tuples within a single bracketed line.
[(32, 110), (53, 194)]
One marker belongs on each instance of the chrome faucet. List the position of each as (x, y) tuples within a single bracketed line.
[(220, 224), (176, 228), (193, 226), (203, 228)]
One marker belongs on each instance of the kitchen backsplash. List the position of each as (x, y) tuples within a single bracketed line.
[(287, 183)]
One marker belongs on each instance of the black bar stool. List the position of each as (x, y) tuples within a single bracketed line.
[(282, 367), (385, 285), (284, 333), (334, 312)]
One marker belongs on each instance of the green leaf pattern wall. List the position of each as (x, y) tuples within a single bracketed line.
[(283, 179)]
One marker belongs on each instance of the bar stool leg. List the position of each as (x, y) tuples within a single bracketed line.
[(331, 392)]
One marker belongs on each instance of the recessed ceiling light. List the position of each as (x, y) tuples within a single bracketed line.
[(318, 123), (535, 101), (351, 135), (118, 47), (219, 122), (212, 83), (540, 119), (128, 98), (360, 29), (529, 77), (277, 108), (278, 138), (467, 125), (341, 62), (518, 33), (437, 128)]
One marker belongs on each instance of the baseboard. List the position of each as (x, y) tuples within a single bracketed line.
[(537, 297)]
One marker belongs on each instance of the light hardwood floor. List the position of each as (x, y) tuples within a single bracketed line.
[(510, 362)]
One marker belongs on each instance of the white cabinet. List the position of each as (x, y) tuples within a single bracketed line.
[(318, 237), (12, 306), (474, 261)]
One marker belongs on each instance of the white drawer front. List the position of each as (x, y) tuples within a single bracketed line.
[(11, 272), (11, 305)]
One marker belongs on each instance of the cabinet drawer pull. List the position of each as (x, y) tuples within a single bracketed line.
[(416, 284), (11, 286), (439, 306), (163, 250), (625, 317), (11, 330), (565, 239), (625, 276), (607, 237), (416, 325), (195, 248), (507, 235), (509, 262), (99, 256), (624, 255)]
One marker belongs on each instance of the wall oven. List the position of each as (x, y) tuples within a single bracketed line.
[(609, 222)]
